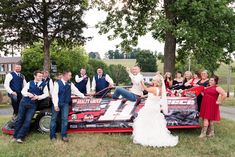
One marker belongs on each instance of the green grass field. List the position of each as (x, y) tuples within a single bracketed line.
[(121, 145)]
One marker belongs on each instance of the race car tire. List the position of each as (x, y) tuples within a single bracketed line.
[(42, 122)]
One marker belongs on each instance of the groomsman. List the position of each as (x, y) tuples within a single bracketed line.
[(101, 81), (61, 97), (48, 81), (83, 82), (14, 83), (136, 90), (32, 92)]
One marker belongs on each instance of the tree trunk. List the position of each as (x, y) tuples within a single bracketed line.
[(46, 41), (46, 50), (170, 40), (169, 53)]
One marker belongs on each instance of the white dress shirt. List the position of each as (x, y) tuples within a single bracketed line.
[(45, 94), (55, 93), (107, 78), (7, 81), (136, 84), (88, 85)]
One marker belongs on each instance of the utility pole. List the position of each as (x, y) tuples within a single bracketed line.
[(189, 63), (229, 80)]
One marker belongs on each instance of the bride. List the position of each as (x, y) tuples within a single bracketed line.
[(149, 128)]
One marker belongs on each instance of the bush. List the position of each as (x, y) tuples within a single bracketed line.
[(147, 61), (119, 74), (65, 58)]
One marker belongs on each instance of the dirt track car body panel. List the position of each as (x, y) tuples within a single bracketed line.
[(108, 115)]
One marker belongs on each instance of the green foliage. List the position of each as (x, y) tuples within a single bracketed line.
[(193, 63), (66, 58), (117, 54), (202, 28), (160, 57), (32, 59), (72, 59), (94, 55), (119, 74), (22, 22), (147, 61)]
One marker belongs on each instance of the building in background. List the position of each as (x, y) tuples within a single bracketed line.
[(6, 66), (148, 76)]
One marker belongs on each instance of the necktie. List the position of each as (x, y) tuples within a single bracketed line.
[(36, 83)]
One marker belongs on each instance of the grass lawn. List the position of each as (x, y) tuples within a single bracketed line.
[(4, 105), (229, 101), (120, 145)]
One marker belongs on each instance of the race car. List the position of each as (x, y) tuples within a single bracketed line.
[(104, 114)]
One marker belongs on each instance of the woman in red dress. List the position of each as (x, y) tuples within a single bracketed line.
[(210, 106), (168, 80)]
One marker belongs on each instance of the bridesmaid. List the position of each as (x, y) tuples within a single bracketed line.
[(193, 82), (168, 80), (204, 81), (210, 106), (178, 81), (187, 77)]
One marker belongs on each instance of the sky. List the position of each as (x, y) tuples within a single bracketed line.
[(101, 44)]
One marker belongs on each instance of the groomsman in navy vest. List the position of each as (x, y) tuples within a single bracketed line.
[(100, 82), (61, 97), (83, 82), (32, 92), (14, 83), (48, 81)]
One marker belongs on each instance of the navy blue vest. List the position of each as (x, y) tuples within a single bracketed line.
[(36, 90), (47, 81), (101, 84), (16, 83), (81, 86), (64, 92)]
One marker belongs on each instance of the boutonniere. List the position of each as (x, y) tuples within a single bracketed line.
[(40, 87), (69, 83)]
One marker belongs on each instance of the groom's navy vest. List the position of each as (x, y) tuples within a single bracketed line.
[(47, 81), (16, 83), (81, 86), (64, 94), (101, 84), (34, 89)]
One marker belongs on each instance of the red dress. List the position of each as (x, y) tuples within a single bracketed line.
[(209, 107), (167, 84)]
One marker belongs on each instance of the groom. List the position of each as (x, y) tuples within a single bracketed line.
[(136, 90)]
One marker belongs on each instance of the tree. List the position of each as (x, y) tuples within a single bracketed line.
[(147, 61), (160, 57), (65, 58), (117, 54), (203, 28), (94, 55), (22, 22), (119, 74)]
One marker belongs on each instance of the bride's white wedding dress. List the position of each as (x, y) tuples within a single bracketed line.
[(149, 127)]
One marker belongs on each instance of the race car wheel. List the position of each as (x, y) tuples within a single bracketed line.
[(42, 121)]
